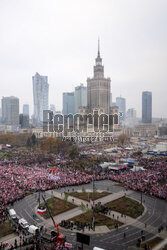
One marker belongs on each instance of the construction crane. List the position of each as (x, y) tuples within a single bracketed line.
[(58, 239)]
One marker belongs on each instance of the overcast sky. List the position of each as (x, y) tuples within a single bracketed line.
[(58, 38)]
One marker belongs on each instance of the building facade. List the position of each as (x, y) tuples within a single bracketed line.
[(80, 96), (10, 110), (121, 103), (68, 103), (24, 121), (26, 109), (110, 99), (98, 88), (52, 108), (147, 107), (131, 114), (40, 96)]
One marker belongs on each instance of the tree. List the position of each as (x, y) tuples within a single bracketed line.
[(82, 207), (73, 153), (14, 139), (33, 139), (94, 189), (28, 142), (65, 199), (122, 139), (83, 189)]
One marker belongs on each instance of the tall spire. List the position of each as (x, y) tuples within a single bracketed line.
[(98, 48)]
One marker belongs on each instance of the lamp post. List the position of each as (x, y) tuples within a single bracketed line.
[(93, 221), (141, 197)]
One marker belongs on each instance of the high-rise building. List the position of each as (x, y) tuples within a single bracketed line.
[(121, 103), (24, 121), (52, 108), (147, 107), (113, 104), (68, 103), (131, 114), (10, 110), (98, 87), (110, 99), (40, 94), (80, 96), (26, 109)]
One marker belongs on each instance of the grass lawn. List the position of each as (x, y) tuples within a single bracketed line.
[(152, 243), (5, 229), (126, 206), (57, 206), (92, 196), (100, 220), (121, 184)]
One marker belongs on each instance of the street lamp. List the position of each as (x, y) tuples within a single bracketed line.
[(141, 197)]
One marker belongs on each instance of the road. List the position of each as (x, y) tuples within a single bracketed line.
[(155, 216)]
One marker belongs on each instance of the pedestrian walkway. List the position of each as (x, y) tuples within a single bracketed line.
[(11, 238), (126, 220), (161, 245), (103, 200)]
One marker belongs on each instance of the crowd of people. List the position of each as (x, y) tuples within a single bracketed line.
[(31, 172), (151, 181)]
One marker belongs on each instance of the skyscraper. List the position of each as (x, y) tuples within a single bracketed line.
[(110, 99), (40, 94), (98, 87), (24, 121), (80, 96), (68, 103), (131, 114), (147, 107), (52, 108), (121, 103), (26, 109), (10, 110)]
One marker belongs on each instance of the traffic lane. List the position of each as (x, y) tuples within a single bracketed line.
[(117, 240), (25, 208), (155, 210), (101, 185)]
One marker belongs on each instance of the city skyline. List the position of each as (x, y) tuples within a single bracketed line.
[(133, 47)]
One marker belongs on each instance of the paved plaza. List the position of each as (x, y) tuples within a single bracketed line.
[(153, 217)]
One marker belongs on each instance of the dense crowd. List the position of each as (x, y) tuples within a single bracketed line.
[(151, 181), (31, 172)]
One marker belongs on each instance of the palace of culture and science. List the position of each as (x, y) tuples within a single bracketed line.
[(98, 88), (98, 105)]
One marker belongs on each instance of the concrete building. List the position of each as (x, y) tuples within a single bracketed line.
[(98, 87), (110, 99), (162, 129), (40, 96), (113, 104), (131, 114), (147, 107), (68, 103), (26, 109), (52, 108), (121, 103), (80, 96), (145, 130), (24, 121), (10, 110), (131, 120)]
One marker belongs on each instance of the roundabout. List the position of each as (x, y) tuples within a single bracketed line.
[(123, 237)]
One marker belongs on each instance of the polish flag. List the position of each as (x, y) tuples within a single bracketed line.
[(41, 210), (68, 245)]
